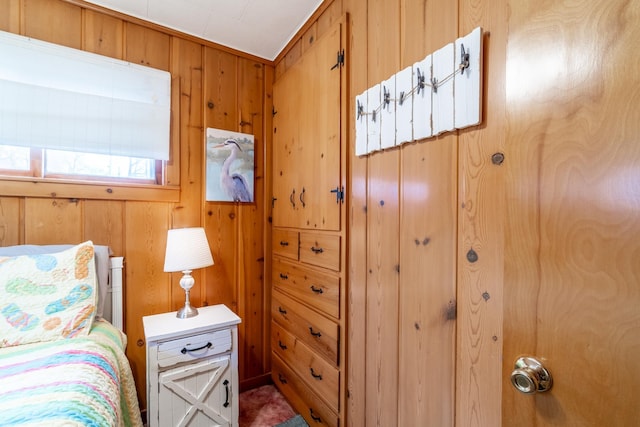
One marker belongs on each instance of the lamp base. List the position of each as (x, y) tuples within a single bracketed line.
[(186, 312)]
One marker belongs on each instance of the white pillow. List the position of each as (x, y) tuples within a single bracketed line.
[(47, 297), (102, 265)]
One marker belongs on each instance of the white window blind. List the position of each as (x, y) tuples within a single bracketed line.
[(61, 98)]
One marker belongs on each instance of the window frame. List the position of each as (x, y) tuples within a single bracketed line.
[(32, 183)]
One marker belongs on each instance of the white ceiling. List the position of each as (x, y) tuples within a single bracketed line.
[(259, 27)]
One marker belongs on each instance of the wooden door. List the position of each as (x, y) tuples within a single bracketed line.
[(306, 138), (572, 254)]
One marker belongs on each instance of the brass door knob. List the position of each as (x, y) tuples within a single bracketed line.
[(529, 376)]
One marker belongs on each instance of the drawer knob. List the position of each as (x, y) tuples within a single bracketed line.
[(282, 379), (283, 276), (282, 310), (186, 350), (315, 334), (316, 290), (284, 243), (282, 346), (314, 375), (317, 250)]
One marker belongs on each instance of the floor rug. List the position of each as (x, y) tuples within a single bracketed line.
[(264, 407), (296, 421)]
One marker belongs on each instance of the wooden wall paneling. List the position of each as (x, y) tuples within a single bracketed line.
[(220, 223), (221, 219), (345, 152), (220, 90), (267, 148), (147, 47), (148, 289), (188, 116), (382, 289), (10, 18), (308, 38), (383, 232), (53, 221), (103, 224), (186, 166), (292, 56), (481, 228), (428, 189), (357, 273), (250, 266), (428, 282), (333, 13), (11, 221), (42, 18), (103, 34)]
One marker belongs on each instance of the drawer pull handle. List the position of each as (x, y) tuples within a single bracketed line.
[(185, 350), (315, 334), (314, 417), (291, 198), (317, 250), (302, 198), (226, 389), (316, 290), (282, 346), (283, 276), (314, 375), (282, 379), (282, 310), (284, 243)]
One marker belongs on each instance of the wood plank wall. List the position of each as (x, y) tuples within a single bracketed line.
[(212, 86), (424, 323)]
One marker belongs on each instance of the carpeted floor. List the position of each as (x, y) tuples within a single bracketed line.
[(264, 407)]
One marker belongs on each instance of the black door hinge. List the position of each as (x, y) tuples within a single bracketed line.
[(339, 194), (339, 60)]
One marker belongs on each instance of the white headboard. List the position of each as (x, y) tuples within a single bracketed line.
[(115, 287)]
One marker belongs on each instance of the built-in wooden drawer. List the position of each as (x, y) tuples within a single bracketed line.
[(194, 347), (315, 412), (317, 331), (322, 250), (315, 371), (319, 290), (285, 243)]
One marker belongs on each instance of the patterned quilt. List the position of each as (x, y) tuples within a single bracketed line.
[(84, 381)]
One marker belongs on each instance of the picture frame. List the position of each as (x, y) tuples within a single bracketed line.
[(229, 166)]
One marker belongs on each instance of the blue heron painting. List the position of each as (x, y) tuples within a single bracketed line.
[(230, 162)]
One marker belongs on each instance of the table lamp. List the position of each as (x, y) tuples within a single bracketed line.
[(187, 249)]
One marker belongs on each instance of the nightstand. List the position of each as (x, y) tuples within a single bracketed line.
[(192, 368)]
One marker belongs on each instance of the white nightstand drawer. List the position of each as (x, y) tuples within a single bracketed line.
[(194, 347)]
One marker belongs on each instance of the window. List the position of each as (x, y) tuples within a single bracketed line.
[(70, 114), (48, 163)]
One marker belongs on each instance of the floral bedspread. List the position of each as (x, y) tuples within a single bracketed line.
[(84, 381)]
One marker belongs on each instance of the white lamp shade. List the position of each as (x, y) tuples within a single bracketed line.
[(187, 249)]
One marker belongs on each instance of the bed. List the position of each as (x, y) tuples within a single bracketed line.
[(62, 359)]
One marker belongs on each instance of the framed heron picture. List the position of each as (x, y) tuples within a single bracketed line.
[(229, 166)]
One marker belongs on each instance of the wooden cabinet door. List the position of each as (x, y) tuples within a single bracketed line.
[(286, 142), (307, 146), (572, 254), (197, 394)]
